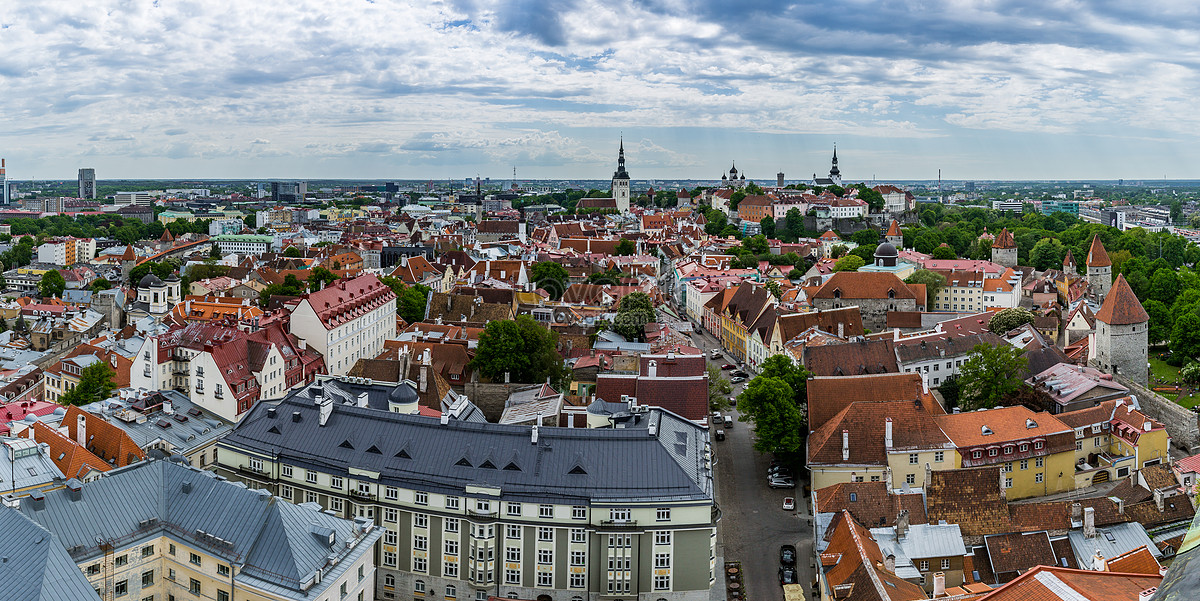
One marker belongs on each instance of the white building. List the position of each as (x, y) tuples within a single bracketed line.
[(67, 251), (347, 321), (245, 244)]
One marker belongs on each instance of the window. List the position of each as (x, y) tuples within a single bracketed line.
[(389, 559), (578, 558), (662, 560), (993, 452), (545, 534), (310, 496), (577, 581), (147, 578), (512, 576), (451, 502), (122, 588), (390, 514), (1096, 441), (421, 498), (148, 550), (512, 509), (335, 482), (391, 493), (1008, 449), (389, 537), (360, 573), (481, 595), (310, 476), (1024, 464), (1038, 477), (420, 520), (662, 537), (450, 570), (945, 564), (450, 547), (578, 513), (195, 559), (222, 595), (194, 586), (924, 566), (939, 456), (420, 564), (420, 543), (512, 554), (910, 479), (1024, 447), (545, 511), (1039, 462), (1078, 445), (451, 591), (389, 580), (419, 587), (1008, 483), (662, 514), (662, 583), (1008, 467), (976, 454), (222, 569), (121, 560), (545, 556), (336, 505), (618, 515), (1039, 444), (511, 531), (93, 569), (451, 525)]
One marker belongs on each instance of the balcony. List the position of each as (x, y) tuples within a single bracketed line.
[(619, 524), (247, 469), (362, 495)]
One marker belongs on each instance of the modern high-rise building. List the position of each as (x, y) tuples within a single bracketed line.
[(87, 183), (288, 191)]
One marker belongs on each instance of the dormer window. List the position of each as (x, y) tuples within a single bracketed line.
[(976, 454), (1029, 423), (837, 293), (1008, 450), (891, 293)]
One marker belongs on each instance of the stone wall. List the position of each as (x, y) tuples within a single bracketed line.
[(490, 397), (1181, 423)]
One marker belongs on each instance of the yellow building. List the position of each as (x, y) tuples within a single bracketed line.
[(1035, 450), (1113, 440)]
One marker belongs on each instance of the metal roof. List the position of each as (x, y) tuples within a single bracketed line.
[(36, 567), (1111, 541), (421, 453)]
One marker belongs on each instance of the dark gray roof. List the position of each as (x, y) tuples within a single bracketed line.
[(271, 537), (421, 453), (36, 567)]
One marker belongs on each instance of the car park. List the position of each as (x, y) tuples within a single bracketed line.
[(789, 503), (787, 555)]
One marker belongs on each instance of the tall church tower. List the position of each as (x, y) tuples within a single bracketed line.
[(620, 182), (835, 174)]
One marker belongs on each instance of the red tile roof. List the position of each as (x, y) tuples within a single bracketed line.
[(105, 440), (1005, 424), (1121, 306), (1045, 583), (69, 457), (1004, 240), (1137, 561), (894, 229), (1097, 256), (862, 427), (864, 284), (346, 299), (830, 395)]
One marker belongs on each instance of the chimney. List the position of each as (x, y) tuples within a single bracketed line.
[(887, 479), (887, 434), (1120, 506), (1003, 489), (925, 384), (928, 474), (652, 370), (1158, 499), (533, 435), (939, 585), (889, 563), (1099, 563), (845, 445), (1089, 522), (362, 399), (1076, 512), (81, 430), (74, 489), (424, 377), (326, 409), (902, 524)]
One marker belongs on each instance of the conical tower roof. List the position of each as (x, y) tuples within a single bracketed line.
[(1004, 240), (894, 229), (1097, 256), (1121, 307)]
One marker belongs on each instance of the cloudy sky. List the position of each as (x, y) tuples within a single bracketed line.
[(1003, 89)]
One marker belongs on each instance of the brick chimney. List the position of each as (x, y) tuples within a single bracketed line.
[(902, 524), (1089, 522)]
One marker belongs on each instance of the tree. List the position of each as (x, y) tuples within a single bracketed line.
[(290, 287), (1047, 253), (773, 287), (52, 284), (951, 391), (767, 226), (3, 282), (1007, 320), (866, 253), (838, 250), (551, 277), (1185, 337), (101, 284), (989, 374), (214, 252), (635, 311), (411, 304), (867, 237), (872, 197), (292, 252), (794, 221), (756, 245), (1191, 373), (718, 389), (522, 349), (320, 277), (250, 221), (1160, 321), (625, 248), (95, 384), (944, 252), (796, 376), (849, 263), (1164, 286), (795, 274), (778, 421), (4, 324), (611, 277)]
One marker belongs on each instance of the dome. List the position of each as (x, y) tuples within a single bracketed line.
[(403, 394), (149, 281), (887, 249), (173, 278)]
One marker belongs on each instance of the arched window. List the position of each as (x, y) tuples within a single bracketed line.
[(419, 586), (451, 591), (389, 580)]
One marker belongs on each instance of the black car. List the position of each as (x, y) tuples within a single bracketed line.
[(787, 555), (787, 575)]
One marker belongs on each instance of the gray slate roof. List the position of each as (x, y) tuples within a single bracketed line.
[(584, 464), (36, 567), (191, 427), (273, 538)]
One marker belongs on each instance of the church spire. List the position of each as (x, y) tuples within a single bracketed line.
[(834, 172), (620, 172)]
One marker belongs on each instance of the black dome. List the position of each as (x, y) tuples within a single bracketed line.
[(403, 394), (887, 249), (149, 281), (173, 278)]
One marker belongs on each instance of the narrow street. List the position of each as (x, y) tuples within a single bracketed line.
[(754, 524)]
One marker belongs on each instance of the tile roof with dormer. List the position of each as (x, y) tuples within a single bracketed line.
[(830, 395), (860, 427), (346, 299)]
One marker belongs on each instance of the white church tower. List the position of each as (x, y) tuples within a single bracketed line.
[(620, 182)]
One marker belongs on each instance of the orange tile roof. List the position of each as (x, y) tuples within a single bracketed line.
[(1045, 583), (1121, 306), (1137, 561), (1004, 240), (69, 457), (1006, 423), (865, 284), (1097, 256), (894, 229), (829, 395), (103, 439)]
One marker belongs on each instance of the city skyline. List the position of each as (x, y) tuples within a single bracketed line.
[(352, 89)]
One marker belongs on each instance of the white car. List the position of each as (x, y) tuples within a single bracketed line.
[(789, 504)]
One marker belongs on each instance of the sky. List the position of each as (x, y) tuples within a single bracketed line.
[(988, 89)]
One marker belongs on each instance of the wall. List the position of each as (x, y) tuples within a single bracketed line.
[(490, 397), (1180, 423)]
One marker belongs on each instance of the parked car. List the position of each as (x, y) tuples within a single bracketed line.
[(787, 555), (779, 472), (781, 483), (787, 575), (737, 373), (728, 421), (719, 434), (737, 379), (727, 366), (789, 503)]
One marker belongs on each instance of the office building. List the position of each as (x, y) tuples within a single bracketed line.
[(288, 192), (87, 183)]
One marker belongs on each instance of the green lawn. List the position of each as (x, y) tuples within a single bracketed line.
[(1161, 373)]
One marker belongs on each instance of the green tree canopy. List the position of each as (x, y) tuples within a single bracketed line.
[(101, 284), (523, 349), (778, 421), (873, 198), (635, 311), (1185, 337), (773, 287), (551, 277), (52, 284), (867, 237), (933, 281), (795, 274), (319, 277), (944, 253), (1007, 320), (1047, 253), (849, 263), (718, 389), (95, 384), (1160, 321), (782, 367), (625, 248), (292, 252), (989, 374), (767, 226)]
